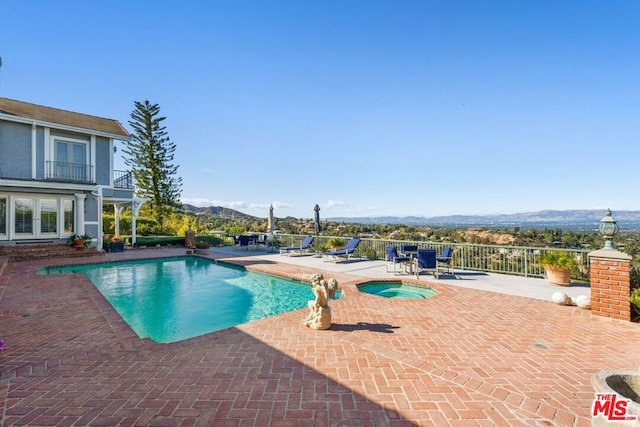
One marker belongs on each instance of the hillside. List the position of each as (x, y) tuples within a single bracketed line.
[(216, 211), (580, 219)]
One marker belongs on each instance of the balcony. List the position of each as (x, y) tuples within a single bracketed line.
[(122, 179), (68, 172)]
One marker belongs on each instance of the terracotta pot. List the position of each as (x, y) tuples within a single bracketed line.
[(559, 277)]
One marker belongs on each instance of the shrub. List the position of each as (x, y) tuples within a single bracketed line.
[(558, 260), (201, 244), (210, 240), (334, 243), (159, 240), (634, 299)]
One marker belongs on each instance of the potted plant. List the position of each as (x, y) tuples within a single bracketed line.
[(558, 266), (202, 245), (334, 244), (79, 241)]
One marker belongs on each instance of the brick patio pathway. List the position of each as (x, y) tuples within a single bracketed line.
[(464, 358)]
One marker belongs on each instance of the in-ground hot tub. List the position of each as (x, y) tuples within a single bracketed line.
[(396, 290)]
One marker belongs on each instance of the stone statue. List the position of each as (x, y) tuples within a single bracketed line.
[(319, 316)]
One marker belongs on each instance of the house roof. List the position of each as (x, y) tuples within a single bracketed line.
[(61, 117)]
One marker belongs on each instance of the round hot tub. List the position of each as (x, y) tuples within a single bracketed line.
[(396, 290)]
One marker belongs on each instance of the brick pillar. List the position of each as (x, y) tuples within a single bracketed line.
[(610, 284)]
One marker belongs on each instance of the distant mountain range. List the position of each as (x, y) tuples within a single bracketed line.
[(216, 211), (582, 219), (565, 217)]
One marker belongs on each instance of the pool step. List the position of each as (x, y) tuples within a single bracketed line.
[(34, 251)]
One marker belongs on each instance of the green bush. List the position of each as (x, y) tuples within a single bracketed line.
[(202, 244), (558, 260), (210, 240), (334, 243), (369, 253), (159, 240), (634, 299), (635, 278)]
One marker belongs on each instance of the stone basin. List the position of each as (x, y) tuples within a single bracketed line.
[(625, 384)]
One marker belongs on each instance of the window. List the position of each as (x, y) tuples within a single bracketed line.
[(70, 160), (3, 216), (24, 216), (68, 214), (48, 216)]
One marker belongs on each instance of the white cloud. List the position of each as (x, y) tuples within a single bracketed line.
[(346, 208), (336, 204)]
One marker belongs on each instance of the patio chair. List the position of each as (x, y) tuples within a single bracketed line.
[(246, 242), (425, 260), (345, 253), (393, 259), (408, 250), (302, 249), (446, 260), (263, 240)]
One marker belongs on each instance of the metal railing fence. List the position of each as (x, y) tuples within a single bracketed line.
[(122, 179), (514, 260), (68, 172)]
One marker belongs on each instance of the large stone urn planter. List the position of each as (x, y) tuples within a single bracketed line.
[(559, 277), (626, 386)]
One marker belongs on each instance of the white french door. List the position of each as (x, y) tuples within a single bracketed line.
[(4, 214), (24, 218), (36, 217), (47, 222)]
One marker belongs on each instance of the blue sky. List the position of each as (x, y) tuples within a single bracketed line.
[(366, 108)]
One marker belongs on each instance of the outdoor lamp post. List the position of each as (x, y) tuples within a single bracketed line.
[(608, 228)]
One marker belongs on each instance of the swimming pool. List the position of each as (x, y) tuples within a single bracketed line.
[(169, 300)]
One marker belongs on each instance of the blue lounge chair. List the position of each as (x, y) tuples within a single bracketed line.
[(393, 259), (345, 253), (446, 260), (426, 260), (302, 249)]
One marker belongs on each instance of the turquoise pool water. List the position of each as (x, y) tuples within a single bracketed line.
[(169, 300), (396, 290)]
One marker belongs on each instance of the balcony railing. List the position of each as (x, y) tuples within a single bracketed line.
[(122, 179), (68, 172), (514, 260)]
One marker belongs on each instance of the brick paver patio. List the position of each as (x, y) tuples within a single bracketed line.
[(465, 357)]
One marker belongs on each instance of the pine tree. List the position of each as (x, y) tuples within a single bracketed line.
[(150, 154)]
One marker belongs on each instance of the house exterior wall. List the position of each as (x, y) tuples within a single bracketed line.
[(39, 152), (117, 193), (91, 210), (103, 157), (34, 200), (15, 150)]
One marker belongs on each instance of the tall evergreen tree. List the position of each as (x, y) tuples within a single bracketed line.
[(150, 154)]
